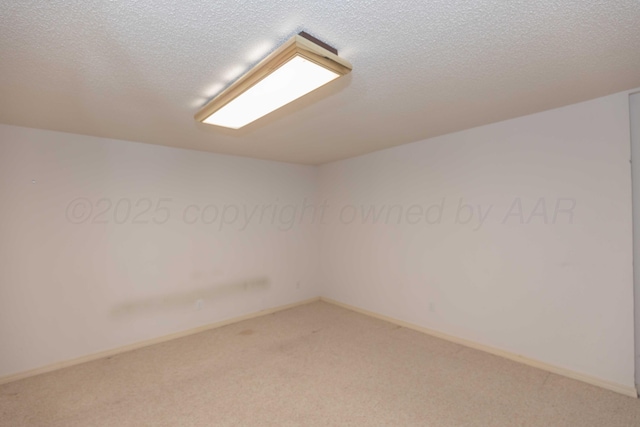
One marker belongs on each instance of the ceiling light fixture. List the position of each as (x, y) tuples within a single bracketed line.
[(296, 68)]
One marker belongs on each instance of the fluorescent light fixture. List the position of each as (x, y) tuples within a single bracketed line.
[(291, 81), (298, 67)]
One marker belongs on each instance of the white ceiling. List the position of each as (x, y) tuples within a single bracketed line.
[(139, 70)]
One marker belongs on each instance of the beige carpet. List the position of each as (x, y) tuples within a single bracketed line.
[(315, 365)]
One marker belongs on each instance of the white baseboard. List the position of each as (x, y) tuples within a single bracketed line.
[(94, 356), (618, 388)]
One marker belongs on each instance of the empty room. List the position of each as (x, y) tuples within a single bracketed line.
[(330, 213)]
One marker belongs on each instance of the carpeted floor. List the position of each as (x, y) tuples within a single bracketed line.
[(314, 365)]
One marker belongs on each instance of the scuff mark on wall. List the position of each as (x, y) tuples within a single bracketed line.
[(186, 299)]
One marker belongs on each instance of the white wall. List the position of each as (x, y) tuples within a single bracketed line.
[(556, 288), (68, 290)]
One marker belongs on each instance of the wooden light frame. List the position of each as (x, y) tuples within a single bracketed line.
[(299, 45)]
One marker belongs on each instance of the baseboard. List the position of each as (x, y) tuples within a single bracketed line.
[(618, 388), (107, 353)]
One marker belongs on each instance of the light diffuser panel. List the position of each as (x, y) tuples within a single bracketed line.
[(298, 67), (295, 78)]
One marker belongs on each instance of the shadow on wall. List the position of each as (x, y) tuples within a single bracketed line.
[(193, 298)]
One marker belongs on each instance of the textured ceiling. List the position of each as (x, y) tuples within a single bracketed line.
[(139, 70)]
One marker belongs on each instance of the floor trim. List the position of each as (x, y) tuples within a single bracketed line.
[(618, 388), (94, 356)]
